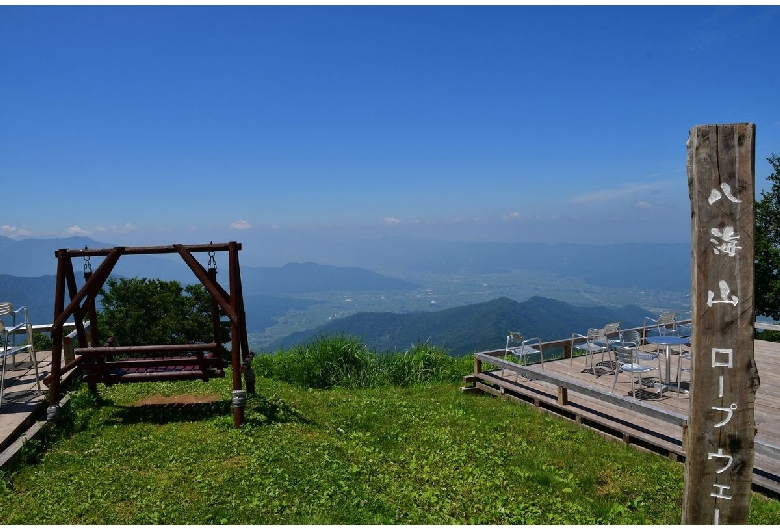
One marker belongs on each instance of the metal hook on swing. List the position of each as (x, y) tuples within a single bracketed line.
[(212, 261), (87, 264)]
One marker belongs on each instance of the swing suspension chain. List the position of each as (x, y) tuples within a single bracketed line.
[(212, 261), (87, 264)]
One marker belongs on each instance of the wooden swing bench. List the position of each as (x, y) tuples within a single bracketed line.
[(155, 363), (130, 364)]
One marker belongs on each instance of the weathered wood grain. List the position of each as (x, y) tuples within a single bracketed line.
[(719, 465)]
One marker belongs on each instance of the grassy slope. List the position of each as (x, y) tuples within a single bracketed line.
[(416, 455)]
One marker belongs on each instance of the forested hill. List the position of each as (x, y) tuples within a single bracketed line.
[(476, 327)]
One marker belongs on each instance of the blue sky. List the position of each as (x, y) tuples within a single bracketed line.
[(279, 126)]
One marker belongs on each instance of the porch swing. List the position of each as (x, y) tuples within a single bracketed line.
[(129, 364)]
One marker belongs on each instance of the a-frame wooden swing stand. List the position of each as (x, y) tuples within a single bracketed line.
[(126, 364)]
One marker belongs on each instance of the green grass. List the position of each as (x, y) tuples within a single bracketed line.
[(332, 361), (422, 453)]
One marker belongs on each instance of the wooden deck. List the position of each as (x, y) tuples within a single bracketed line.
[(566, 389), (22, 403)]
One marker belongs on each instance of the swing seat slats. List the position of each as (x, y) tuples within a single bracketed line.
[(167, 373), (99, 365)]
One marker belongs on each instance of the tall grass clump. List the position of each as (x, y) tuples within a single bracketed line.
[(422, 363), (340, 361), (323, 363)]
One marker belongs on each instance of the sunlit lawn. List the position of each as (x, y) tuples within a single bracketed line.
[(419, 455)]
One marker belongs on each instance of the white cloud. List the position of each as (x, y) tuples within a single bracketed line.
[(78, 231), (644, 205), (514, 216), (240, 225), (391, 221), (126, 228), (615, 194), (13, 231), (113, 229)]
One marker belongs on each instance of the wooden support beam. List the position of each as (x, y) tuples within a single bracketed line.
[(563, 396), (724, 379), (241, 311), (237, 332), (56, 331), (214, 289), (91, 287), (167, 249)]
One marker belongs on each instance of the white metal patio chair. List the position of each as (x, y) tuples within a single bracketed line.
[(7, 309), (612, 334), (9, 349), (627, 357), (593, 343), (631, 338), (665, 324), (524, 348)]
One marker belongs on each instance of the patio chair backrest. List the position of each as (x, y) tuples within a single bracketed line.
[(514, 336), (6, 308), (595, 334), (667, 322), (630, 339)]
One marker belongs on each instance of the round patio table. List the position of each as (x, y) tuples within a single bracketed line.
[(668, 341)]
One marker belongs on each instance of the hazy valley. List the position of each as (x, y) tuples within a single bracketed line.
[(402, 276)]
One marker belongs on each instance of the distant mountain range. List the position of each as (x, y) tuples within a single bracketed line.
[(664, 266), (297, 278), (643, 265), (37, 294), (476, 327), (28, 268), (268, 291)]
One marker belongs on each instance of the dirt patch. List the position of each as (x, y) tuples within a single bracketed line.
[(181, 399)]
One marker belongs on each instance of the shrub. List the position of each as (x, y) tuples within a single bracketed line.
[(345, 362), (768, 335), (422, 363), (324, 363)]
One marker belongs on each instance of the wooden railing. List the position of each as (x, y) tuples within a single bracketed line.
[(767, 326), (566, 344), (565, 384)]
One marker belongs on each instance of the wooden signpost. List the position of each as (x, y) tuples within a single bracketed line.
[(724, 379)]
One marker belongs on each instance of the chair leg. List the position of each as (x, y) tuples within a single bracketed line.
[(614, 380), (34, 358), (584, 357), (679, 372), (571, 359), (2, 381)]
